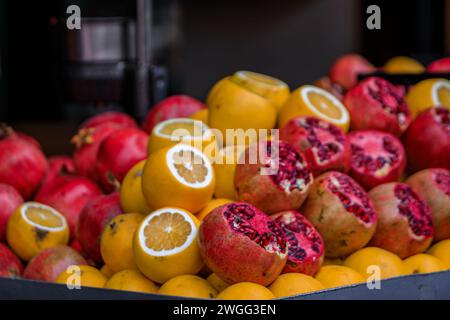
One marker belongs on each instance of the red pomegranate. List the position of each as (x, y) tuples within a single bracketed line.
[(76, 245), (377, 104), (242, 244), (58, 165), (28, 138), (405, 224), (22, 164), (433, 185), (345, 70), (324, 145), (284, 190), (427, 141), (68, 194), (377, 157), (439, 66), (342, 212), (305, 249), (118, 153), (87, 143), (119, 118), (330, 86), (93, 218), (49, 263), (177, 106), (10, 265), (10, 199)]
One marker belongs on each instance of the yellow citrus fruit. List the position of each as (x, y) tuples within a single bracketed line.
[(131, 196), (441, 250), (201, 115), (428, 93), (214, 203), (117, 241), (234, 106), (131, 280), (338, 276), (85, 276), (224, 170), (180, 176), (106, 271), (217, 283), (290, 284), (246, 291), (33, 227), (165, 244), (403, 64), (423, 263), (313, 101), (366, 260), (332, 261), (188, 286)]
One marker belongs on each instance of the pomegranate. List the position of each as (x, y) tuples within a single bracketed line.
[(49, 263), (342, 212), (285, 190), (377, 104), (345, 70), (10, 265), (10, 199), (427, 141), (324, 145), (87, 143), (58, 165), (377, 157), (95, 215), (76, 245), (118, 153), (405, 224), (28, 138), (439, 66), (22, 164), (433, 185), (177, 106), (330, 86), (240, 243), (68, 194), (119, 118), (305, 244)]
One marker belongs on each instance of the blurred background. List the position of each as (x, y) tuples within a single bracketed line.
[(130, 54)]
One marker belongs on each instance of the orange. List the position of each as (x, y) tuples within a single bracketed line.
[(428, 93), (403, 64), (246, 291), (214, 203), (131, 280), (201, 115), (166, 245), (217, 283), (441, 250), (117, 240), (333, 261), (106, 271), (423, 263), (338, 276), (313, 101), (33, 227), (131, 196), (85, 276), (224, 169), (188, 286), (290, 284)]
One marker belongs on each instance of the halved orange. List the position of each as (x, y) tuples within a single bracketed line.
[(165, 244), (428, 93)]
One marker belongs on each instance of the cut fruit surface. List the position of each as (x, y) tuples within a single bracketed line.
[(43, 216), (428, 93)]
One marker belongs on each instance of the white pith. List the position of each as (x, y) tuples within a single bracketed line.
[(247, 75), (43, 207), (435, 90), (206, 133)]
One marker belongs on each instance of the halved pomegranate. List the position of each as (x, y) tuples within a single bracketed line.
[(405, 224), (377, 157), (286, 189), (305, 244), (324, 145), (342, 212), (116, 117), (242, 244), (345, 70), (377, 104)]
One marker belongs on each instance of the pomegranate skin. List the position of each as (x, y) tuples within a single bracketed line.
[(22, 164), (176, 106), (427, 141), (48, 264), (404, 235), (345, 70), (233, 255), (76, 245), (118, 153), (378, 105), (439, 66), (10, 199), (306, 250), (92, 220), (330, 86), (114, 117), (285, 190), (68, 194), (324, 145), (10, 265), (58, 165), (433, 185), (342, 212)]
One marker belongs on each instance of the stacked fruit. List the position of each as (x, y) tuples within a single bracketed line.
[(359, 181)]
